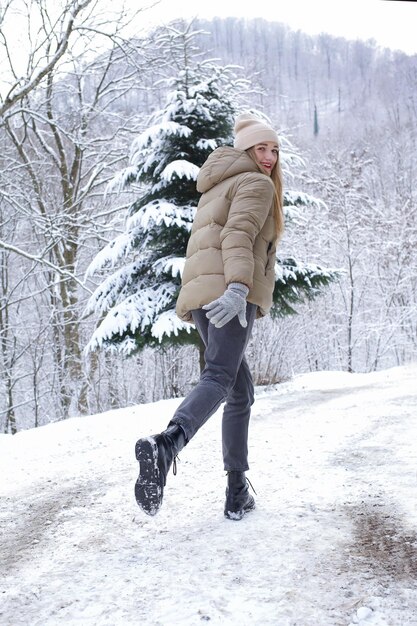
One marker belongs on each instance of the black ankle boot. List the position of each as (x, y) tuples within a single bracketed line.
[(155, 455), (238, 499)]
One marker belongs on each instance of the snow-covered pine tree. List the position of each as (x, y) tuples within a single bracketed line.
[(137, 301)]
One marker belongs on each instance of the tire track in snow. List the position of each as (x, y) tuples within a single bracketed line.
[(31, 524)]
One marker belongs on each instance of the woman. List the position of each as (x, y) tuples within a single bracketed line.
[(228, 281)]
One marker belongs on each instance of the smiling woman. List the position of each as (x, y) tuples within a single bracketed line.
[(266, 155), (227, 282)]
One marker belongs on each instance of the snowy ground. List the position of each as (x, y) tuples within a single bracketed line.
[(333, 540)]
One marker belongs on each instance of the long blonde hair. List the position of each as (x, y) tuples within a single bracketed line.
[(276, 177)]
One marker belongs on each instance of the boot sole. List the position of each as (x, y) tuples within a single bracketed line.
[(148, 492), (237, 515)]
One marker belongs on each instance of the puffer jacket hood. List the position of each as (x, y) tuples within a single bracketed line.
[(224, 163)]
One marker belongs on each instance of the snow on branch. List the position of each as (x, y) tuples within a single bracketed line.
[(206, 144), (19, 91), (181, 169), (160, 211), (119, 248), (292, 270), (288, 157), (168, 323), (38, 259), (299, 198), (133, 314), (174, 265), (114, 289), (122, 179), (153, 133)]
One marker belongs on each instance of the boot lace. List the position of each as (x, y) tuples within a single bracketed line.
[(251, 486), (174, 464)]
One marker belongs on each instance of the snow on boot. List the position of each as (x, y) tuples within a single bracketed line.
[(238, 498), (156, 455)]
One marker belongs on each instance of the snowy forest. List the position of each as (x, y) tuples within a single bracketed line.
[(95, 207)]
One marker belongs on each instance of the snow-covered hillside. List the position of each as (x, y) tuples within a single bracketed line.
[(333, 540)]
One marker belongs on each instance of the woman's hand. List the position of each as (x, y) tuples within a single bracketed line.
[(231, 303)]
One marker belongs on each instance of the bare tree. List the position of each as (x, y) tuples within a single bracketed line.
[(49, 47), (63, 127)]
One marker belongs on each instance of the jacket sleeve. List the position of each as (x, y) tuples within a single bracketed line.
[(247, 214)]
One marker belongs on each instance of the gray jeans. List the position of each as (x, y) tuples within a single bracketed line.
[(226, 378)]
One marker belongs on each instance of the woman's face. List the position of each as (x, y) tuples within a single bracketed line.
[(266, 155)]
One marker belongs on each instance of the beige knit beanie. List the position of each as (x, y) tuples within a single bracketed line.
[(250, 130)]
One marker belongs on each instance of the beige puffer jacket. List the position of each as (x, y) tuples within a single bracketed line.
[(233, 234)]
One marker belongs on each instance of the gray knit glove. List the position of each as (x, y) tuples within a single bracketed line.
[(231, 303)]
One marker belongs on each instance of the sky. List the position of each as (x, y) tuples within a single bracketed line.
[(332, 540), (390, 22)]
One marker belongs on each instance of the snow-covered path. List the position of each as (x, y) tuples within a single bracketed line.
[(333, 540)]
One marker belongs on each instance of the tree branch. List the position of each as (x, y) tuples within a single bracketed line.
[(37, 259), (17, 94)]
